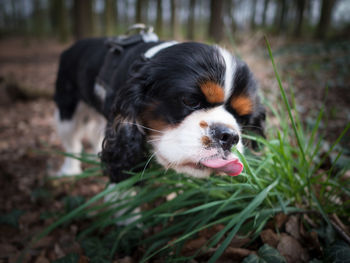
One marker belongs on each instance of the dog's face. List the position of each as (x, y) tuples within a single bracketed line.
[(189, 102)]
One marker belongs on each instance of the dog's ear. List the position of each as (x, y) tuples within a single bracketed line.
[(248, 108), (257, 122), (123, 147)]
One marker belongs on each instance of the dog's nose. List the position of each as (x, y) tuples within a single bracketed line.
[(224, 136)]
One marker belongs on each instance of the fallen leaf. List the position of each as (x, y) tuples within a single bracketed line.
[(83, 259), (7, 250), (29, 218), (42, 258), (238, 241), (291, 249), (124, 260), (42, 243), (209, 232), (280, 219), (292, 227), (237, 253), (58, 251), (194, 244), (269, 237)]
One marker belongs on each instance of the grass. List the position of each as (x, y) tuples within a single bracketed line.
[(285, 177)]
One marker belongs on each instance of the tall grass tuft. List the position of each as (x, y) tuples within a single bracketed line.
[(285, 177)]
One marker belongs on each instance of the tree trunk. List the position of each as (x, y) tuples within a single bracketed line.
[(191, 20), (299, 18), (141, 11), (174, 20), (83, 18), (159, 19), (228, 8), (111, 14), (38, 19), (216, 23), (59, 21), (325, 18), (281, 15), (138, 14), (266, 5), (252, 18)]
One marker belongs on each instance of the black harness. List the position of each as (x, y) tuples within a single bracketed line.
[(116, 46)]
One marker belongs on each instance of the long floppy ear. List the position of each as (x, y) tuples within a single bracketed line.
[(246, 104), (122, 148), (124, 143), (256, 122)]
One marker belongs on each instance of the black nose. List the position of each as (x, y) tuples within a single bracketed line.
[(224, 136)]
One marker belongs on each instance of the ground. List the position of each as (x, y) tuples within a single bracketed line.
[(30, 201)]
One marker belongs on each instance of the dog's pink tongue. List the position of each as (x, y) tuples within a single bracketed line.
[(231, 167)]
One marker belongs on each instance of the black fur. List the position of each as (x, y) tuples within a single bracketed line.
[(157, 85)]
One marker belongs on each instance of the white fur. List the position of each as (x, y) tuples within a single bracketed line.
[(154, 50), (100, 91), (149, 37), (183, 144), (86, 123), (118, 198), (231, 66)]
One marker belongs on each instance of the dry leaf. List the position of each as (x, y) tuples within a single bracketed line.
[(124, 260), (194, 244), (42, 258), (292, 227), (7, 250), (291, 249), (280, 219), (238, 241), (269, 237), (237, 253)]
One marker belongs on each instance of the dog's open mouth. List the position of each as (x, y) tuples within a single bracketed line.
[(231, 166)]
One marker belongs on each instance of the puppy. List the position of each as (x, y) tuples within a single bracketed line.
[(184, 104)]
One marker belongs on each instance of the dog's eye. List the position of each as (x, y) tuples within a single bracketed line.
[(191, 102)]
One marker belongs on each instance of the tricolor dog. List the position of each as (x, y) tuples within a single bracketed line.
[(185, 104)]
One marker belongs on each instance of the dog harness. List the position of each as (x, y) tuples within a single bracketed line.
[(116, 46)]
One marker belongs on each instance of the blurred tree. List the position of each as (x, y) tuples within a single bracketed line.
[(216, 23), (325, 18), (141, 11), (252, 17), (191, 19), (110, 15), (83, 18), (59, 21), (228, 8), (125, 14), (266, 4), (38, 18), (159, 19), (280, 16), (300, 7), (174, 22)]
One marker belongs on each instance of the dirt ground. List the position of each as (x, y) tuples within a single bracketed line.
[(28, 140)]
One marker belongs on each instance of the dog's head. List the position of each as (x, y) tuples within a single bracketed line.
[(189, 102)]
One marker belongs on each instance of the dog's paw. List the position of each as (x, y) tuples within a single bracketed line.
[(118, 199), (70, 167)]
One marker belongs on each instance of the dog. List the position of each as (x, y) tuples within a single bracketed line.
[(184, 104)]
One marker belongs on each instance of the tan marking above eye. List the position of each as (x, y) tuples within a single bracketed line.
[(153, 125), (242, 105), (213, 92), (203, 124), (206, 140)]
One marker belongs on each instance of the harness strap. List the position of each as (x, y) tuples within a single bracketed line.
[(116, 46)]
